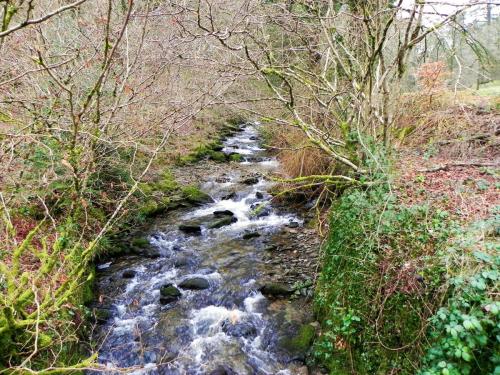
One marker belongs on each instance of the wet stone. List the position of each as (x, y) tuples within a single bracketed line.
[(239, 329), (195, 283), (223, 213), (227, 220), (169, 293), (250, 181), (276, 290), (190, 228), (250, 235), (222, 370), (259, 195), (129, 274), (181, 262), (229, 196)]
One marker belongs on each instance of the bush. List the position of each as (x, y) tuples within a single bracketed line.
[(465, 332), (379, 283)]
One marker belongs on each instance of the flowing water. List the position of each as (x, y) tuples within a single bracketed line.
[(229, 326)]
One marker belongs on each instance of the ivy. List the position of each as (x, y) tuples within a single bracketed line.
[(466, 331)]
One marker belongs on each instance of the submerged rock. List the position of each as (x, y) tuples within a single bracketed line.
[(259, 195), (181, 262), (260, 209), (250, 181), (219, 223), (276, 290), (239, 329), (169, 293), (129, 274), (223, 213), (195, 283), (222, 370), (250, 235), (190, 228), (229, 196)]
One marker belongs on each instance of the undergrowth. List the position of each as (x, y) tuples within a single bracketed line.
[(389, 291)]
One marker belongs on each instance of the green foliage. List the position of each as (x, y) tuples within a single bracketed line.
[(236, 158), (465, 332), (39, 308), (379, 282)]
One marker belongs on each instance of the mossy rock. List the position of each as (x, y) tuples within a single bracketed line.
[(299, 345), (195, 196), (152, 208)]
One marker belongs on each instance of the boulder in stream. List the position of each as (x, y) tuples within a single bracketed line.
[(190, 228), (250, 180), (129, 274), (169, 293), (221, 222), (223, 213), (195, 283), (222, 370), (229, 196), (276, 290), (250, 235), (298, 344), (239, 329)]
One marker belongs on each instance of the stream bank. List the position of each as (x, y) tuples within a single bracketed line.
[(226, 290)]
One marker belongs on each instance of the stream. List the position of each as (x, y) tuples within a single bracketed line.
[(197, 308)]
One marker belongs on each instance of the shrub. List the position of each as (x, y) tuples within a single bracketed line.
[(465, 331), (379, 283)]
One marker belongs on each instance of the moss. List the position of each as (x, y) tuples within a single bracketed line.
[(148, 208), (88, 288), (194, 195), (140, 242), (218, 156), (302, 341), (348, 297), (235, 157), (188, 159)]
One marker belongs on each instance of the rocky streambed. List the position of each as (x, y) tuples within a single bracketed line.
[(224, 286)]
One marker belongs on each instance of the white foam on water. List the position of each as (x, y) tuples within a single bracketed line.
[(251, 302), (131, 285), (162, 242), (124, 326), (150, 309), (104, 266), (243, 212), (241, 151), (161, 278), (273, 163), (201, 345), (122, 309), (145, 369), (209, 319)]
